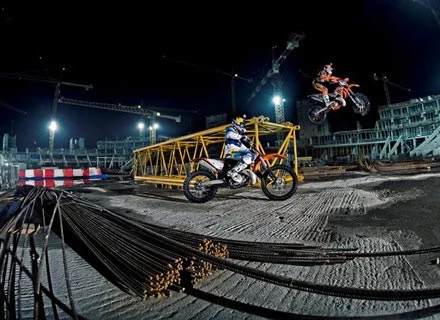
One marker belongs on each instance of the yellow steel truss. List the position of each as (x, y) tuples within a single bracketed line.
[(169, 162)]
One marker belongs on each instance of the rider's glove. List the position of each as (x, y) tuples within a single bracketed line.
[(246, 140)]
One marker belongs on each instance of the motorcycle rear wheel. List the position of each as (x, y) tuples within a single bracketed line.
[(194, 191), (286, 184), (314, 117)]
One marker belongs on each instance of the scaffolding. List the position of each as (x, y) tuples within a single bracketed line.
[(167, 164)]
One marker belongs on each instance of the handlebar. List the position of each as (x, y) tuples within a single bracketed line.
[(248, 143), (342, 82)]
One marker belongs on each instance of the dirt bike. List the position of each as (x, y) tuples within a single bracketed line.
[(278, 182), (318, 113)]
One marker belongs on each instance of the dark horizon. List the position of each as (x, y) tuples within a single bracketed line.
[(120, 51)]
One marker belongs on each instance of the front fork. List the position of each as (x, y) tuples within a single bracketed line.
[(267, 168), (325, 109), (353, 98)]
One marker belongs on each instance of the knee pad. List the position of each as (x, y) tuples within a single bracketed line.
[(247, 158)]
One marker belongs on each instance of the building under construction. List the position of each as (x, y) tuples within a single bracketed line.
[(404, 130)]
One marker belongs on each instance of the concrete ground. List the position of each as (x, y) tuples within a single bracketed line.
[(373, 213)]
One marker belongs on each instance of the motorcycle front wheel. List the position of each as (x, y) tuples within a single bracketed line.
[(284, 186), (362, 104), (193, 189), (315, 117)]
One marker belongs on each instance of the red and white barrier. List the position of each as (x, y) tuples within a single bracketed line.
[(51, 173), (52, 183)]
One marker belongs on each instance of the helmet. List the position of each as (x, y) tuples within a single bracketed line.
[(328, 68), (238, 123)]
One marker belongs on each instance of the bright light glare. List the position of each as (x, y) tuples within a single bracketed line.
[(141, 125), (276, 100), (155, 126), (53, 126)]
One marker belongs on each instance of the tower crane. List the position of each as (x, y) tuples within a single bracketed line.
[(274, 75), (387, 82), (58, 83), (232, 75), (150, 112)]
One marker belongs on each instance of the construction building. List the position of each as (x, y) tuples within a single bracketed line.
[(109, 154), (9, 143)]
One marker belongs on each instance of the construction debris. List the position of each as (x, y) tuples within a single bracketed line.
[(366, 166), (409, 167)]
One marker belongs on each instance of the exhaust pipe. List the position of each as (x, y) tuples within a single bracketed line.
[(212, 182), (251, 175)]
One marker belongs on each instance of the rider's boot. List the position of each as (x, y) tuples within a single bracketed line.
[(233, 173), (329, 104), (326, 100)]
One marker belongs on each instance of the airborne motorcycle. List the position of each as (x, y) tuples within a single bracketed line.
[(318, 113), (278, 182)]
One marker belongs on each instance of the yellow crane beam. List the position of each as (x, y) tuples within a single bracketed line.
[(167, 164)]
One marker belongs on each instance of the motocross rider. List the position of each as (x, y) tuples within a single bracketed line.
[(235, 149), (325, 75)]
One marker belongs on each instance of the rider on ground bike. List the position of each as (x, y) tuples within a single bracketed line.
[(325, 75), (235, 149)]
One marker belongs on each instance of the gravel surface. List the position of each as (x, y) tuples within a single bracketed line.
[(372, 213)]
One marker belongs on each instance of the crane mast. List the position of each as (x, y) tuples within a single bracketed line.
[(53, 125), (273, 74), (387, 82)]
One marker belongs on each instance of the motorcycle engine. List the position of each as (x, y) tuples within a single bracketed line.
[(243, 180), (245, 177)]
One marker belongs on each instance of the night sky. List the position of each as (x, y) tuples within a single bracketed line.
[(119, 48)]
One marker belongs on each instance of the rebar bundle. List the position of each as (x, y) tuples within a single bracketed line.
[(136, 255), (147, 260)]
